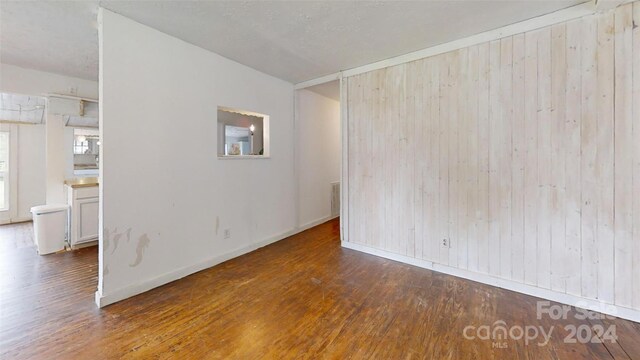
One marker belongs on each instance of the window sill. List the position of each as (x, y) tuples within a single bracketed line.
[(242, 157)]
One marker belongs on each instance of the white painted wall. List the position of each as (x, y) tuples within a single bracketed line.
[(51, 136), (55, 159), (31, 169), (18, 80), (165, 209), (318, 155)]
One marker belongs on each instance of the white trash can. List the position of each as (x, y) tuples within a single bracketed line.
[(50, 227)]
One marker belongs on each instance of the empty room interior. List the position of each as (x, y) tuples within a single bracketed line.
[(320, 179)]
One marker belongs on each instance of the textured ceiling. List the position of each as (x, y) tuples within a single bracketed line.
[(292, 40), (59, 37)]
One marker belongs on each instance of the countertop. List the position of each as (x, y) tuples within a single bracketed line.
[(82, 182)]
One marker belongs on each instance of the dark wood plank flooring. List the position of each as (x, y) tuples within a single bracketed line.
[(303, 297)]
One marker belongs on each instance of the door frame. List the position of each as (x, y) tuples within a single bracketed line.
[(9, 215)]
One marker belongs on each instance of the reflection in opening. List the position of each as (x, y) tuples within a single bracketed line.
[(86, 149), (240, 133)]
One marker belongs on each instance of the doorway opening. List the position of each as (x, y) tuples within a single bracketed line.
[(318, 153)]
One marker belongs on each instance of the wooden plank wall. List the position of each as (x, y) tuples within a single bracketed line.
[(518, 158)]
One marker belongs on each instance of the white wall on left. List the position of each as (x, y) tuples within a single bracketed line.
[(172, 203), (31, 169), (37, 160)]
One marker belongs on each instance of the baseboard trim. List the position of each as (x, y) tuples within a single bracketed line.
[(316, 222), (16, 220), (103, 300), (573, 300)]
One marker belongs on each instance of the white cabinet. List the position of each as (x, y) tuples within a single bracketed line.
[(83, 222)]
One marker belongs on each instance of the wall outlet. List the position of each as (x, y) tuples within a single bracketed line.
[(227, 233), (445, 243)]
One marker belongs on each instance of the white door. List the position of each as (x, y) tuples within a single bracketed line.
[(8, 172)]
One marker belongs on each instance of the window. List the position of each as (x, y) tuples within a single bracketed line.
[(4, 170), (242, 134), (80, 145)]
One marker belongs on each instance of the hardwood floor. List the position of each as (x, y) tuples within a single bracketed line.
[(303, 297), (16, 236)]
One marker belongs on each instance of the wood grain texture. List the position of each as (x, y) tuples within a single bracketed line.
[(623, 165), (304, 297), (472, 181), (344, 163), (494, 151), (531, 158), (559, 253), (545, 178), (588, 146), (573, 118), (635, 273), (483, 160), (518, 136), (605, 158), (525, 163)]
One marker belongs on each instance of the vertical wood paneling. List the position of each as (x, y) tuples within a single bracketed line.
[(356, 149), (517, 167), (353, 85), (544, 158), (407, 171), (454, 157), (389, 113), (505, 154), (559, 256), (571, 264), (473, 213), (400, 171), (588, 137), (463, 159), (494, 151), (364, 162), (604, 158), (623, 172), (443, 164), (344, 173), (635, 274), (433, 176), (359, 136), (415, 96), (483, 158), (531, 158), (395, 240), (378, 150), (517, 158)]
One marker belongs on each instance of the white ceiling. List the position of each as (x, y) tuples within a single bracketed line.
[(59, 37), (292, 40)]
